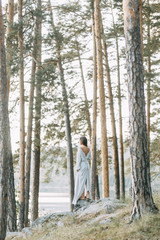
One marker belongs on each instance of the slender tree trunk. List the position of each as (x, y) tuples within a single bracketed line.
[(29, 130), (12, 216), (66, 113), (22, 127), (94, 116), (10, 19), (29, 142), (148, 77), (113, 124), (140, 164), (68, 133), (122, 178), (37, 131), (104, 144), (85, 95), (141, 25), (5, 150), (97, 193)]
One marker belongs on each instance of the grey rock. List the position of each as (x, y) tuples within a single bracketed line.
[(54, 216), (82, 204), (106, 205), (105, 221)]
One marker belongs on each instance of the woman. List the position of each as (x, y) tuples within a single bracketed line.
[(82, 185)]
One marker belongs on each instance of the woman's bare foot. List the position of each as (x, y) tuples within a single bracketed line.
[(87, 195), (82, 197)]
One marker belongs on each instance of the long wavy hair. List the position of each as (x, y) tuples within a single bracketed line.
[(83, 141)]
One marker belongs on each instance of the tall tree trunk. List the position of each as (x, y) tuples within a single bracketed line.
[(30, 120), (22, 127), (148, 77), (37, 131), (68, 132), (66, 113), (12, 215), (122, 178), (94, 116), (140, 165), (113, 124), (141, 25), (97, 192), (5, 150), (85, 94), (104, 144), (10, 19)]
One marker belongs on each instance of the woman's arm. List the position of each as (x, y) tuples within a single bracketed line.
[(89, 157), (78, 165)]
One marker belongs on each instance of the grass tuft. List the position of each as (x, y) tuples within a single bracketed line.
[(147, 228)]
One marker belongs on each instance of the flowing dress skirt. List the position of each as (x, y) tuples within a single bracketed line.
[(83, 175)]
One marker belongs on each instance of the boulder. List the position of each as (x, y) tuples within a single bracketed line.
[(105, 205)]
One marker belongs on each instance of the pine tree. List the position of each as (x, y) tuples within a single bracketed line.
[(5, 145), (113, 123), (121, 158), (10, 19), (94, 115), (30, 115), (141, 182), (22, 117), (12, 216), (66, 111), (37, 130), (104, 145), (85, 93)]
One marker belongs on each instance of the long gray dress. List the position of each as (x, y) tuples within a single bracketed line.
[(83, 175)]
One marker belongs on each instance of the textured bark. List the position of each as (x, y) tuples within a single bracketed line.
[(149, 77), (97, 193), (140, 165), (122, 177), (104, 144), (12, 215), (113, 124), (22, 127), (121, 159), (85, 94), (141, 25), (37, 131), (10, 19), (30, 120), (29, 142), (5, 150), (94, 109), (66, 114)]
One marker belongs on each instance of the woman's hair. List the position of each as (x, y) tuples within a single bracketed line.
[(83, 141)]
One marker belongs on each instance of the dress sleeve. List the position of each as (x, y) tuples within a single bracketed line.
[(78, 163), (89, 156)]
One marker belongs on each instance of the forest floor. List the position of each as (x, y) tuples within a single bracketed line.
[(104, 220)]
